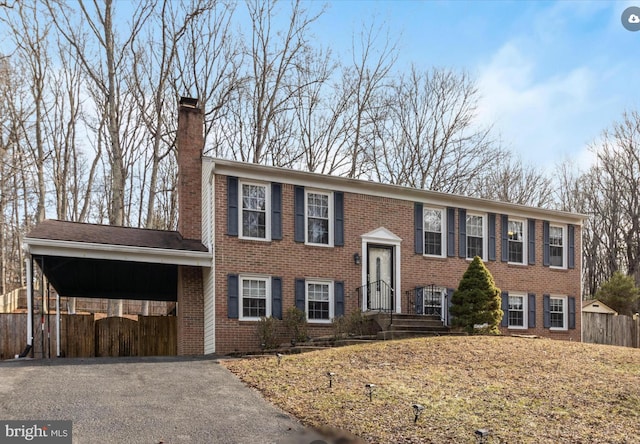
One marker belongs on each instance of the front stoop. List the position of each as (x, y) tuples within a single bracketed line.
[(402, 326)]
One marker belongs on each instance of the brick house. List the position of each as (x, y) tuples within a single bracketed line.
[(278, 238)]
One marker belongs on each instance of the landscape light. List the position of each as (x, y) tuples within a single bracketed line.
[(370, 388), (279, 356), (417, 411), (482, 435), (330, 375)]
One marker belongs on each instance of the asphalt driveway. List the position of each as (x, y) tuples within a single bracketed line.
[(144, 400)]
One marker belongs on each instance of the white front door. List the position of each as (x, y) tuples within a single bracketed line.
[(380, 277)]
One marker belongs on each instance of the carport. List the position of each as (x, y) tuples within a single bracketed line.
[(108, 262)]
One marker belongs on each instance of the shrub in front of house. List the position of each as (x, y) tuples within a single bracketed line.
[(475, 305)]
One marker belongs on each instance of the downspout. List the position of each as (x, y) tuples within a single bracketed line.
[(29, 264), (57, 325)]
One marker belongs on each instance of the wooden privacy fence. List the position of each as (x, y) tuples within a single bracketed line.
[(9, 301), (81, 336), (609, 329)]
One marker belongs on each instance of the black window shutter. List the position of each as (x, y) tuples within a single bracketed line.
[(462, 232), (419, 227), (545, 243), (546, 307), (276, 211), (276, 297), (338, 294), (232, 206), (419, 300), (338, 211), (532, 310), (298, 203), (451, 232), (449, 303), (504, 228), (300, 294), (232, 296), (505, 309), (492, 236), (531, 238), (571, 232), (572, 312)]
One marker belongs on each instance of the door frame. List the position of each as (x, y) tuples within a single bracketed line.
[(383, 238)]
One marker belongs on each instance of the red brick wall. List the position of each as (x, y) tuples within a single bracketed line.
[(190, 311), (190, 144), (362, 214)]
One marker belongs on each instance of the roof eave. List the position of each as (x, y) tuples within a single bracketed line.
[(284, 175), (89, 250)]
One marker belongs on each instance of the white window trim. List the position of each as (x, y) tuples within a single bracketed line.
[(565, 313), (524, 241), (330, 284), (525, 308), (267, 234), (485, 236), (564, 247), (267, 280), (329, 195), (443, 231)]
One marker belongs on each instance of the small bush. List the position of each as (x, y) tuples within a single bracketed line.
[(340, 326), (295, 321), (267, 331), (357, 324)]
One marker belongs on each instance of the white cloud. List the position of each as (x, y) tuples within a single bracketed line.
[(542, 118)]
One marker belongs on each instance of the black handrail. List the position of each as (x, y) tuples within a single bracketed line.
[(379, 297)]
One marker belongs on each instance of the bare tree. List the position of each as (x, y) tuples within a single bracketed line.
[(428, 138), (93, 39), (509, 180), (30, 33), (261, 108), (363, 83)]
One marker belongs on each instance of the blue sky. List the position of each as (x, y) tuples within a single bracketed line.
[(552, 75)]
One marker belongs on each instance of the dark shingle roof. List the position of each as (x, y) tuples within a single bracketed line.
[(113, 235)]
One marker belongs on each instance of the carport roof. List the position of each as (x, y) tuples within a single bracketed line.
[(102, 261), (74, 239)]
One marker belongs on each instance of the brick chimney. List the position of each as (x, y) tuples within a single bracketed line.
[(190, 144)]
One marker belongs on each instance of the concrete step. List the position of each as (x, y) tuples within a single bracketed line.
[(417, 327), (403, 334)]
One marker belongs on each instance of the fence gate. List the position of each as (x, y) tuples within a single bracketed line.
[(116, 337)]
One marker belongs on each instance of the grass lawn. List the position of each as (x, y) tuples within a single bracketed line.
[(523, 390)]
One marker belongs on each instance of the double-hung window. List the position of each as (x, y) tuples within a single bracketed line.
[(516, 237), (517, 311), (319, 214), (558, 313), (255, 298), (319, 301), (556, 246), (475, 236), (255, 212), (433, 231)]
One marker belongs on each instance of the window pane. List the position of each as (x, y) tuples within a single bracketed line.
[(474, 246), (318, 231), (516, 311), (254, 216), (433, 232), (515, 252), (254, 298), (432, 243), (254, 224), (556, 311), (433, 221), (318, 301), (474, 226)]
